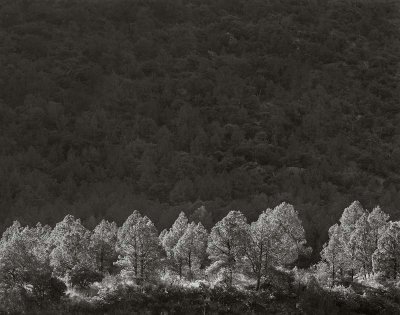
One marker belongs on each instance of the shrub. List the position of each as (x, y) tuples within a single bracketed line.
[(83, 278)]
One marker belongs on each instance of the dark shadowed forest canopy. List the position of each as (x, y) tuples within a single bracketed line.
[(166, 105)]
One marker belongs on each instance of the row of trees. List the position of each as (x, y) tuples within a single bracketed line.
[(362, 244), (41, 261), (79, 256)]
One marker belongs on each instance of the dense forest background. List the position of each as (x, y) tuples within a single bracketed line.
[(168, 105)]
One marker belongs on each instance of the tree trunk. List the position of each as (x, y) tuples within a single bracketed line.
[(258, 281), (259, 267), (141, 270), (190, 266), (101, 259)]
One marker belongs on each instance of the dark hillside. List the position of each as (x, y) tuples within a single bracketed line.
[(165, 105)]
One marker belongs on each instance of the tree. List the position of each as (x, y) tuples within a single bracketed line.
[(386, 259), (10, 232), (226, 243), (23, 252), (378, 221), (103, 241), (191, 247), (349, 218), (67, 225), (70, 248), (288, 226), (171, 238), (25, 265), (362, 241), (138, 246), (332, 253), (259, 250), (348, 221), (276, 238), (201, 214)]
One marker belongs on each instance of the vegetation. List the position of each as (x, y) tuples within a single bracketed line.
[(167, 105), (236, 268), (188, 109)]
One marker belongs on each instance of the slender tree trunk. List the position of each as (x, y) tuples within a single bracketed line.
[(190, 266), (266, 263), (258, 280), (136, 267), (259, 267), (141, 269), (101, 259)]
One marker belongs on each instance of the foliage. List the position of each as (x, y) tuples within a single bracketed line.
[(231, 104), (31, 257), (275, 239), (386, 257), (191, 248), (83, 278), (138, 246), (70, 242), (25, 272), (170, 240), (226, 243), (103, 241)]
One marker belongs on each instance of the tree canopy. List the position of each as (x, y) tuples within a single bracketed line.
[(158, 105)]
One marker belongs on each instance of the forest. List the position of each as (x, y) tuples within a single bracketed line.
[(235, 268), (170, 105)]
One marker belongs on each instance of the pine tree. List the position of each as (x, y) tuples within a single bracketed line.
[(191, 247), (259, 250), (102, 242), (138, 246), (290, 231), (332, 253), (173, 235), (171, 238), (386, 259), (70, 248), (348, 222), (378, 221), (24, 261), (362, 241), (226, 243), (276, 238), (349, 218), (15, 228), (67, 225)]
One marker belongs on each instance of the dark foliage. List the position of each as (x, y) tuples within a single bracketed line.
[(83, 278), (47, 289), (164, 105)]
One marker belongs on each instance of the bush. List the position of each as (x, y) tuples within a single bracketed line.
[(13, 300), (47, 289), (83, 278)]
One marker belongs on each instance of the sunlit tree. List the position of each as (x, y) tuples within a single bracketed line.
[(103, 242), (138, 246), (386, 259), (170, 240), (226, 243), (191, 247)]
